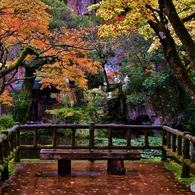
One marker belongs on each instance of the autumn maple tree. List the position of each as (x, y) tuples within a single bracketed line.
[(69, 60), (21, 23), (27, 42), (171, 21)]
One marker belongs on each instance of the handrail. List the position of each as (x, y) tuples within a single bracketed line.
[(180, 145), (84, 126)]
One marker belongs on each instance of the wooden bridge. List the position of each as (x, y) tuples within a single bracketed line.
[(180, 145)]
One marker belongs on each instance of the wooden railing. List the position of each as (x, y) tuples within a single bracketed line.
[(180, 145), (124, 129)]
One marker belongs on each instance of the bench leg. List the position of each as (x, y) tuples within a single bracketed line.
[(115, 167), (5, 174), (64, 167)]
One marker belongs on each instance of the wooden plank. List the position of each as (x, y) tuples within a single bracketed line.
[(95, 154)]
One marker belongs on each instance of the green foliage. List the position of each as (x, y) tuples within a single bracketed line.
[(86, 20), (189, 123), (85, 113), (135, 89), (136, 98), (156, 81), (94, 81), (6, 122), (62, 16), (176, 168), (151, 82), (137, 74), (160, 90), (21, 102), (13, 166), (83, 136), (67, 115), (146, 153), (79, 114)]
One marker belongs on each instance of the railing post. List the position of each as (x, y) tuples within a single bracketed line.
[(164, 142), (18, 137), (35, 138), (11, 139), (179, 146), (168, 139), (17, 155), (186, 150), (146, 137), (128, 137), (164, 139), (54, 132), (192, 158), (5, 170), (8, 145), (110, 137), (91, 134), (173, 143), (15, 139), (1, 152), (73, 131)]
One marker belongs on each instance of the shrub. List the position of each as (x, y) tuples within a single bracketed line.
[(6, 122)]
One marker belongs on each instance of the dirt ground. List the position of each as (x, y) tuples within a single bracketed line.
[(91, 178)]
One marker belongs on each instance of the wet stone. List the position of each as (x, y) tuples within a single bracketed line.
[(92, 178)]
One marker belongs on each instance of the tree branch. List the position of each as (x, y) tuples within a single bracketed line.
[(27, 50), (188, 18), (181, 31)]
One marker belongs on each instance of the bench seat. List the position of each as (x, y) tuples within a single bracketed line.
[(96, 154), (64, 156)]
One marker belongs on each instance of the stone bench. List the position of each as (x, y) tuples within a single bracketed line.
[(114, 158)]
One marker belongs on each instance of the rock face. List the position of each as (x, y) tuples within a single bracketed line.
[(79, 7)]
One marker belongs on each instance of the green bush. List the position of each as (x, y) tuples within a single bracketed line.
[(6, 122), (21, 102)]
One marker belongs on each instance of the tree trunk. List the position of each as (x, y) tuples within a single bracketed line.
[(173, 58), (122, 101), (181, 31), (24, 99)]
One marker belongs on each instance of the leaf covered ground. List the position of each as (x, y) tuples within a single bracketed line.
[(91, 178)]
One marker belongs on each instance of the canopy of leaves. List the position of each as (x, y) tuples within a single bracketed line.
[(22, 23), (171, 21), (71, 59), (124, 16), (23, 19), (26, 41), (61, 14)]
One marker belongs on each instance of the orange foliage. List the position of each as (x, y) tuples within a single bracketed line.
[(26, 23), (5, 98), (21, 22), (22, 19), (71, 62)]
